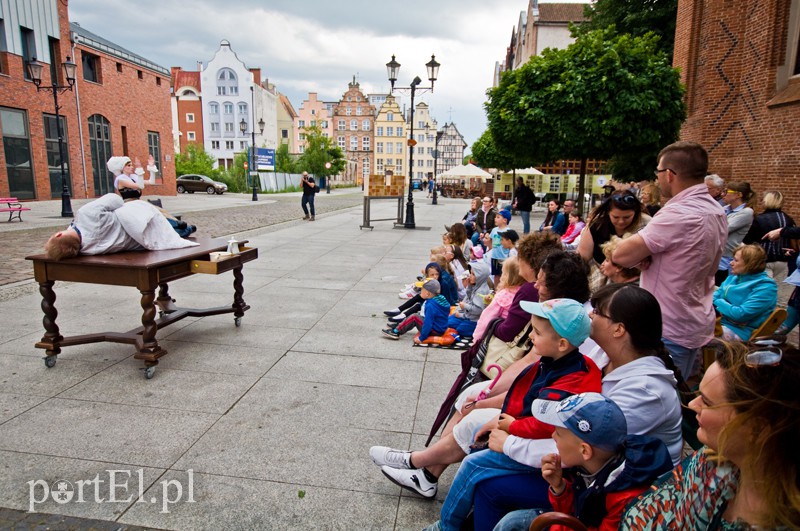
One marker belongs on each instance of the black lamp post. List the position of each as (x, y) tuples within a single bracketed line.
[(243, 130), (35, 72), (392, 68), (328, 177)]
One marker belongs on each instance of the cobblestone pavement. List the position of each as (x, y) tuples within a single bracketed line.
[(18, 520), (19, 243)]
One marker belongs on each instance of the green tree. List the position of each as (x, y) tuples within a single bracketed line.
[(319, 151), (637, 17), (487, 154), (195, 160), (607, 95), (284, 162)]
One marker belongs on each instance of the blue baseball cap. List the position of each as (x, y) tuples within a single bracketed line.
[(592, 417), (568, 318), (506, 214)]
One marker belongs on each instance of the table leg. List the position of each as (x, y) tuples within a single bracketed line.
[(52, 336), (164, 301), (148, 348), (239, 305)]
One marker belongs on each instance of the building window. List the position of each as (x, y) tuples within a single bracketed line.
[(359, 111), (379, 165), (215, 144), (379, 131), (390, 162), (348, 111), (28, 51), (378, 147), (421, 124), (341, 125), (390, 117), (340, 141), (353, 143), (221, 91), (100, 145), (354, 125), (324, 124), (284, 133), (365, 143), (213, 108), (154, 148), (399, 131), (229, 144), (365, 125), (429, 163), (189, 117), (190, 135), (301, 149), (139, 74), (229, 127), (243, 108), (242, 146), (227, 82), (399, 147), (301, 123), (365, 167), (390, 131), (227, 107), (313, 112), (555, 183), (313, 123), (17, 148), (215, 127), (301, 136), (389, 147), (158, 81), (420, 151), (420, 163), (91, 67)]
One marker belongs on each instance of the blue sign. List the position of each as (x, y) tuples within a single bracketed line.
[(265, 159)]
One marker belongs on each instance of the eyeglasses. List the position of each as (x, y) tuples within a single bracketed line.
[(598, 313), (628, 200), (766, 351), (732, 192), (656, 172)]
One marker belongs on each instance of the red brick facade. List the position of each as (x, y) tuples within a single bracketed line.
[(354, 106), (731, 54), (135, 100)]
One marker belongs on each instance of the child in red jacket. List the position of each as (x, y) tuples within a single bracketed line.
[(608, 467)]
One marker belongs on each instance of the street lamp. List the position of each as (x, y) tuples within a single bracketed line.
[(392, 69), (327, 177), (253, 167), (35, 72), (243, 130)]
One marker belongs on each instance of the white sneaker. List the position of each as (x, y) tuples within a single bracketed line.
[(385, 456), (413, 480)]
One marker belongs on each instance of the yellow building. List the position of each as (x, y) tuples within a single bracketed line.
[(390, 138)]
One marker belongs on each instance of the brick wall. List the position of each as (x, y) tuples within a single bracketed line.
[(729, 52)]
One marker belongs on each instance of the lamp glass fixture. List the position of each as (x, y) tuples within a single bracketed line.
[(69, 71), (35, 71), (392, 69), (243, 126), (433, 69)]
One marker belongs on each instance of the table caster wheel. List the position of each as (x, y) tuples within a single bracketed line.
[(50, 362), (237, 321), (149, 372)]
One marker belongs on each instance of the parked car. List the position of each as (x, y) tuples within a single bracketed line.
[(199, 183)]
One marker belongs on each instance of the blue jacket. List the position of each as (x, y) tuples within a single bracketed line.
[(437, 310), (447, 282), (745, 302)]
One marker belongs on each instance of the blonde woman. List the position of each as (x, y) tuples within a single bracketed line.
[(507, 288), (651, 198)]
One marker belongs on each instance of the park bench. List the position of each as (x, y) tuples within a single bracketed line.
[(13, 207)]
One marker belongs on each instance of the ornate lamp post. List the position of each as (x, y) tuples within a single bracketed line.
[(327, 177), (392, 68), (35, 72)]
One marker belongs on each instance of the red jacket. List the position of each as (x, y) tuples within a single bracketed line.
[(615, 505)]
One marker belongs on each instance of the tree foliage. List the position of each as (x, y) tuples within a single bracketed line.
[(637, 17), (284, 162), (320, 150), (195, 160), (606, 95), (487, 154)]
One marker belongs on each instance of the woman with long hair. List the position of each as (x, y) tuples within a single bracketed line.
[(555, 220), (740, 216), (459, 237), (746, 475), (651, 198)]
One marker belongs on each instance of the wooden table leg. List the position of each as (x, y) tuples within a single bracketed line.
[(239, 306), (164, 301), (52, 336), (148, 349)]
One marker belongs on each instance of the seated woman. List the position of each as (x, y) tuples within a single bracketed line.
[(574, 228), (748, 296), (615, 272), (458, 237), (651, 198), (129, 182), (745, 477)]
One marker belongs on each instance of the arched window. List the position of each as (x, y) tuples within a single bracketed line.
[(100, 143), (227, 83)]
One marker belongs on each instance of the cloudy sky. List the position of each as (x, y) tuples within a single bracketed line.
[(318, 46)]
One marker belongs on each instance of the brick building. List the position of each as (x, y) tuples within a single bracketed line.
[(119, 105), (354, 121), (740, 62), (312, 113), (187, 109)]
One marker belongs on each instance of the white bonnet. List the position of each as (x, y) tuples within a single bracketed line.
[(115, 164)]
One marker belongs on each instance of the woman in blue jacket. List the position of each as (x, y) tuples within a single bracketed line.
[(748, 296)]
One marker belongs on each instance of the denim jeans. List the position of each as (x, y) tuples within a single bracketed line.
[(526, 221), (518, 520), (477, 467), (496, 497), (687, 359), (307, 199)]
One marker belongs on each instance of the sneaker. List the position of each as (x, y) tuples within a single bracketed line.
[(312, 218), (385, 456), (306, 216), (436, 526), (399, 318), (407, 294), (390, 333), (392, 313), (413, 480)]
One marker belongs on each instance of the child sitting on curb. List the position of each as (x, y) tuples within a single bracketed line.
[(469, 310), (510, 282), (607, 468), (436, 310), (508, 241)]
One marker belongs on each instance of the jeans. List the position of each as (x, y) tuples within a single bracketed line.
[(496, 497), (464, 327), (519, 520), (686, 359), (308, 199), (476, 467), (526, 221)]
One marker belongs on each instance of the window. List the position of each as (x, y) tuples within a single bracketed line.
[(53, 156), (91, 67), (154, 148), (215, 127), (229, 127), (359, 111), (28, 51), (100, 145), (227, 107), (555, 183), (301, 149), (420, 151), (340, 141), (378, 147), (390, 131), (365, 166), (430, 151), (301, 123), (242, 146), (348, 111), (379, 131), (3, 48), (189, 117), (301, 136), (313, 112), (420, 163), (421, 124), (190, 135), (158, 81), (213, 108), (353, 143), (242, 108), (429, 163), (221, 91), (227, 83), (354, 125), (139, 74), (215, 144), (379, 165), (341, 125), (399, 131), (365, 143), (390, 162), (324, 124), (284, 133), (398, 147), (365, 125), (390, 117), (229, 144)]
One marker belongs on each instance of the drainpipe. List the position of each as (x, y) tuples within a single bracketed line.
[(74, 40)]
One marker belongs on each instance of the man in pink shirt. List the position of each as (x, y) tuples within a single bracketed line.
[(684, 243)]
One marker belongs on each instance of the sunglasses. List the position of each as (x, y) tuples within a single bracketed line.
[(625, 199)]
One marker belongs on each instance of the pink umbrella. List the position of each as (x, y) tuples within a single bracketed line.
[(486, 391)]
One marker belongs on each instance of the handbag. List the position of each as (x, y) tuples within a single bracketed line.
[(504, 353)]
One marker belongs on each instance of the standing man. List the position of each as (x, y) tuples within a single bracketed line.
[(683, 243), (523, 203), (309, 189)]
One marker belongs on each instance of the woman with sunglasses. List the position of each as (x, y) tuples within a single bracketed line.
[(620, 213), (745, 477), (740, 217)]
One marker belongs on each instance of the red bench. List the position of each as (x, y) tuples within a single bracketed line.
[(13, 207)]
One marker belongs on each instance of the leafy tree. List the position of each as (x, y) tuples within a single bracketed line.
[(606, 95), (636, 17), (487, 154), (320, 150), (195, 160), (284, 162)]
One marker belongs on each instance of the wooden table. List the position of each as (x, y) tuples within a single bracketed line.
[(146, 271)]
